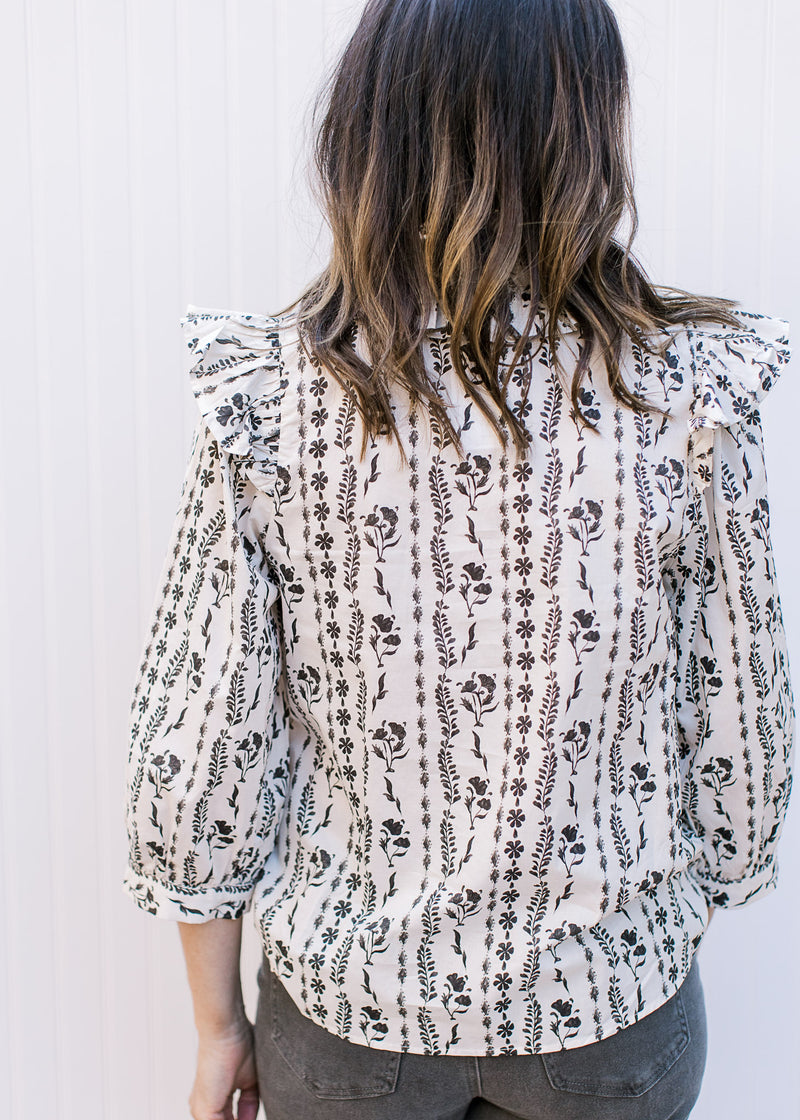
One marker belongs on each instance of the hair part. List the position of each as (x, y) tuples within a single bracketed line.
[(470, 149)]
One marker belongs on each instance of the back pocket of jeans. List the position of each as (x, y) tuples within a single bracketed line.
[(628, 1063), (329, 1067)]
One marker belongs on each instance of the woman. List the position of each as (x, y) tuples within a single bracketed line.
[(468, 672)]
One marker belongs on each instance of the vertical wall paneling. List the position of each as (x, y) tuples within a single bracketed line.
[(7, 918), (157, 152), (145, 1001), (695, 59), (766, 230), (22, 621), (743, 150), (233, 111), (35, 671), (784, 251), (669, 261), (91, 1064), (254, 46), (139, 331), (717, 140), (766, 210), (67, 594), (8, 1094)]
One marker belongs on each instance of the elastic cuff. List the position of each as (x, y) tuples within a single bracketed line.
[(165, 900), (730, 893)]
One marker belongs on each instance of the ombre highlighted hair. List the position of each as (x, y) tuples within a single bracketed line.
[(469, 150)]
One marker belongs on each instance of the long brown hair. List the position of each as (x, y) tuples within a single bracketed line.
[(470, 149)]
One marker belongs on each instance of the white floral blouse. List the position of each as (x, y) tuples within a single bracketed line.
[(478, 739)]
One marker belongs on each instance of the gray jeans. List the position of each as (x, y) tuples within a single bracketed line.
[(649, 1071)]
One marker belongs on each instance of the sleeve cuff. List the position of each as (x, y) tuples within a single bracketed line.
[(167, 900), (730, 893)]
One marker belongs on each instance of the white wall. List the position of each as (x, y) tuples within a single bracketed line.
[(150, 159)]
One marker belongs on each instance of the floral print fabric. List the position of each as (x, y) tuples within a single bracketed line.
[(479, 739)]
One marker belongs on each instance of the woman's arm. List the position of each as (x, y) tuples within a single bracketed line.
[(735, 706), (225, 1059), (205, 775), (211, 950)]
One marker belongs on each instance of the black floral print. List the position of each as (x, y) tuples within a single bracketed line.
[(479, 739)]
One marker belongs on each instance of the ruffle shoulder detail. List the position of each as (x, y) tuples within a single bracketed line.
[(733, 371), (238, 378)]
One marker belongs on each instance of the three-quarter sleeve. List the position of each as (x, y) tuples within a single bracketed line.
[(207, 762), (734, 698)]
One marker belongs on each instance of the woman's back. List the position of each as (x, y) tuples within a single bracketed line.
[(477, 731)]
